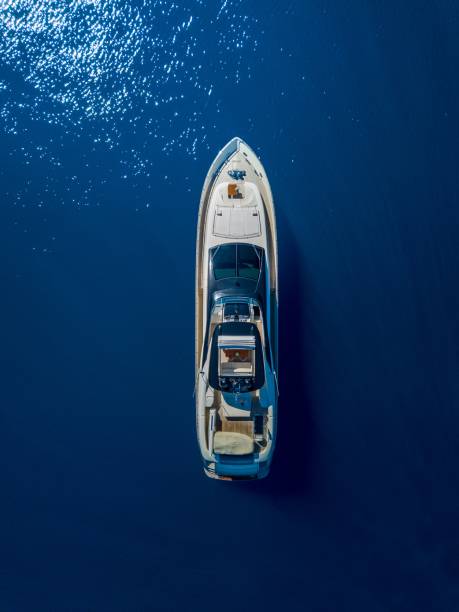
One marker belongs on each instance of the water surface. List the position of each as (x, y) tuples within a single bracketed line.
[(110, 115)]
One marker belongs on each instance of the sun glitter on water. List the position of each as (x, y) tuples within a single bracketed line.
[(108, 67)]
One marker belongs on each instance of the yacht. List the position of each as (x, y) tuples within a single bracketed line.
[(236, 386)]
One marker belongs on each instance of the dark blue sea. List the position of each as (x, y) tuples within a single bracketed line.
[(111, 112)]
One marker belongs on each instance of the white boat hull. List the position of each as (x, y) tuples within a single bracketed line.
[(236, 207)]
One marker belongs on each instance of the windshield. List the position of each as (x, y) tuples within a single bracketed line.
[(224, 261), (248, 261), (230, 260)]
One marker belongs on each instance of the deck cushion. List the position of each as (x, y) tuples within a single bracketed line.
[(232, 443)]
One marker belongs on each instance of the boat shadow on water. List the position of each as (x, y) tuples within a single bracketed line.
[(292, 470)]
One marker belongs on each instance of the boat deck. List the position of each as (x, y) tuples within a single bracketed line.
[(244, 426)]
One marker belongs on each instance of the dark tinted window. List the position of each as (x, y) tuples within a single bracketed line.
[(248, 262), (224, 261), (237, 310)]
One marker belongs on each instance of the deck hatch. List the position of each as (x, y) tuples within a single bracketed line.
[(236, 362)]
